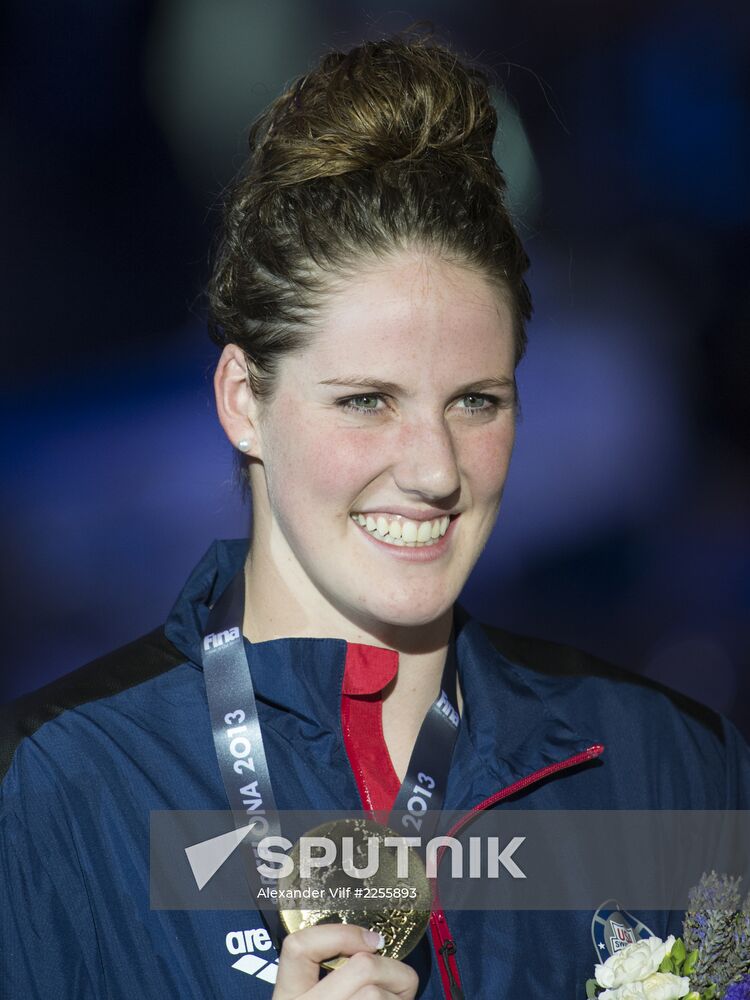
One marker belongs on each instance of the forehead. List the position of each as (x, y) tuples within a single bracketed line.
[(413, 308)]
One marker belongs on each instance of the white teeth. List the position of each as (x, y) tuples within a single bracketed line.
[(403, 532), (424, 532), (409, 531)]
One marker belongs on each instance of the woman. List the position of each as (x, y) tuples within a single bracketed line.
[(369, 300)]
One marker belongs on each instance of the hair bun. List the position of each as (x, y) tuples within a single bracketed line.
[(375, 152), (383, 102)]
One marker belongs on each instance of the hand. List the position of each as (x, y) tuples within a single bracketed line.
[(366, 976)]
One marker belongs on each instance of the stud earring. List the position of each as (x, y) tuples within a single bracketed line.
[(243, 445)]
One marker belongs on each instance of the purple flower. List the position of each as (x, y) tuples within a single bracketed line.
[(739, 991)]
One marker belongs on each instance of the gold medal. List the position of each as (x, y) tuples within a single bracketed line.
[(397, 907)]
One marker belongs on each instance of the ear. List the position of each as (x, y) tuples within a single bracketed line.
[(236, 404)]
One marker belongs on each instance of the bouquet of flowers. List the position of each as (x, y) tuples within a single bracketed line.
[(711, 961)]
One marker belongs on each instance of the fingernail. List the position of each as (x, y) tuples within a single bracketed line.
[(373, 939)]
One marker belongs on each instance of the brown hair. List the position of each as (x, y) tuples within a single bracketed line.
[(384, 148)]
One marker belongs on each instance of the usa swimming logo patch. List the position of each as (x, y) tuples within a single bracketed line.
[(613, 929)]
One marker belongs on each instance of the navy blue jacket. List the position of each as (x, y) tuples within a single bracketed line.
[(90, 755)]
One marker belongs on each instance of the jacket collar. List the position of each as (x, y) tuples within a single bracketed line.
[(514, 720), (510, 721)]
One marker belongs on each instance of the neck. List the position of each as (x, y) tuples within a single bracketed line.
[(274, 609), (406, 701)]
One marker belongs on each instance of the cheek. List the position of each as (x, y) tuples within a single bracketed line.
[(338, 468), (486, 459), (313, 463), (344, 464)]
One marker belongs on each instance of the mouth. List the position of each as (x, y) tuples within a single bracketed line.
[(393, 529)]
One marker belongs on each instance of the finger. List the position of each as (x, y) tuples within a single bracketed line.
[(304, 950), (366, 973), (374, 993)]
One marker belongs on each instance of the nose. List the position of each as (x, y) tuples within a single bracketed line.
[(426, 463)]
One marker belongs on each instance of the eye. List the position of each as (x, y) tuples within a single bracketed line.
[(478, 402), (367, 403)]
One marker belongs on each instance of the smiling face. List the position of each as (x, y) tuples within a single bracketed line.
[(383, 452)]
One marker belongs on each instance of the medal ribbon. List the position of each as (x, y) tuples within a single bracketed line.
[(241, 756), (238, 740), (420, 798)]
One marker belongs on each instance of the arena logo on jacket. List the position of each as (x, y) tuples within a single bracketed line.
[(613, 929), (255, 954)]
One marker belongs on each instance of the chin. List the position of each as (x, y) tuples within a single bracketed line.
[(406, 614)]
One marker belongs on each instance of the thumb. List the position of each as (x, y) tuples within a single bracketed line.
[(304, 950)]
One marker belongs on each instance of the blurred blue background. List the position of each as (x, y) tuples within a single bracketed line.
[(626, 141)]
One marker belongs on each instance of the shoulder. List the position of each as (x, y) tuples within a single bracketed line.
[(115, 673), (560, 668), (628, 711)]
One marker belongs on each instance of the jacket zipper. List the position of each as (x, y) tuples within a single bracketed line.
[(445, 949), (445, 946), (590, 753)]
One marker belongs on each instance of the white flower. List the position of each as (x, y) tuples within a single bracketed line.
[(658, 986), (634, 963)]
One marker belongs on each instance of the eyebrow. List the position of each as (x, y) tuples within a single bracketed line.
[(392, 388)]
